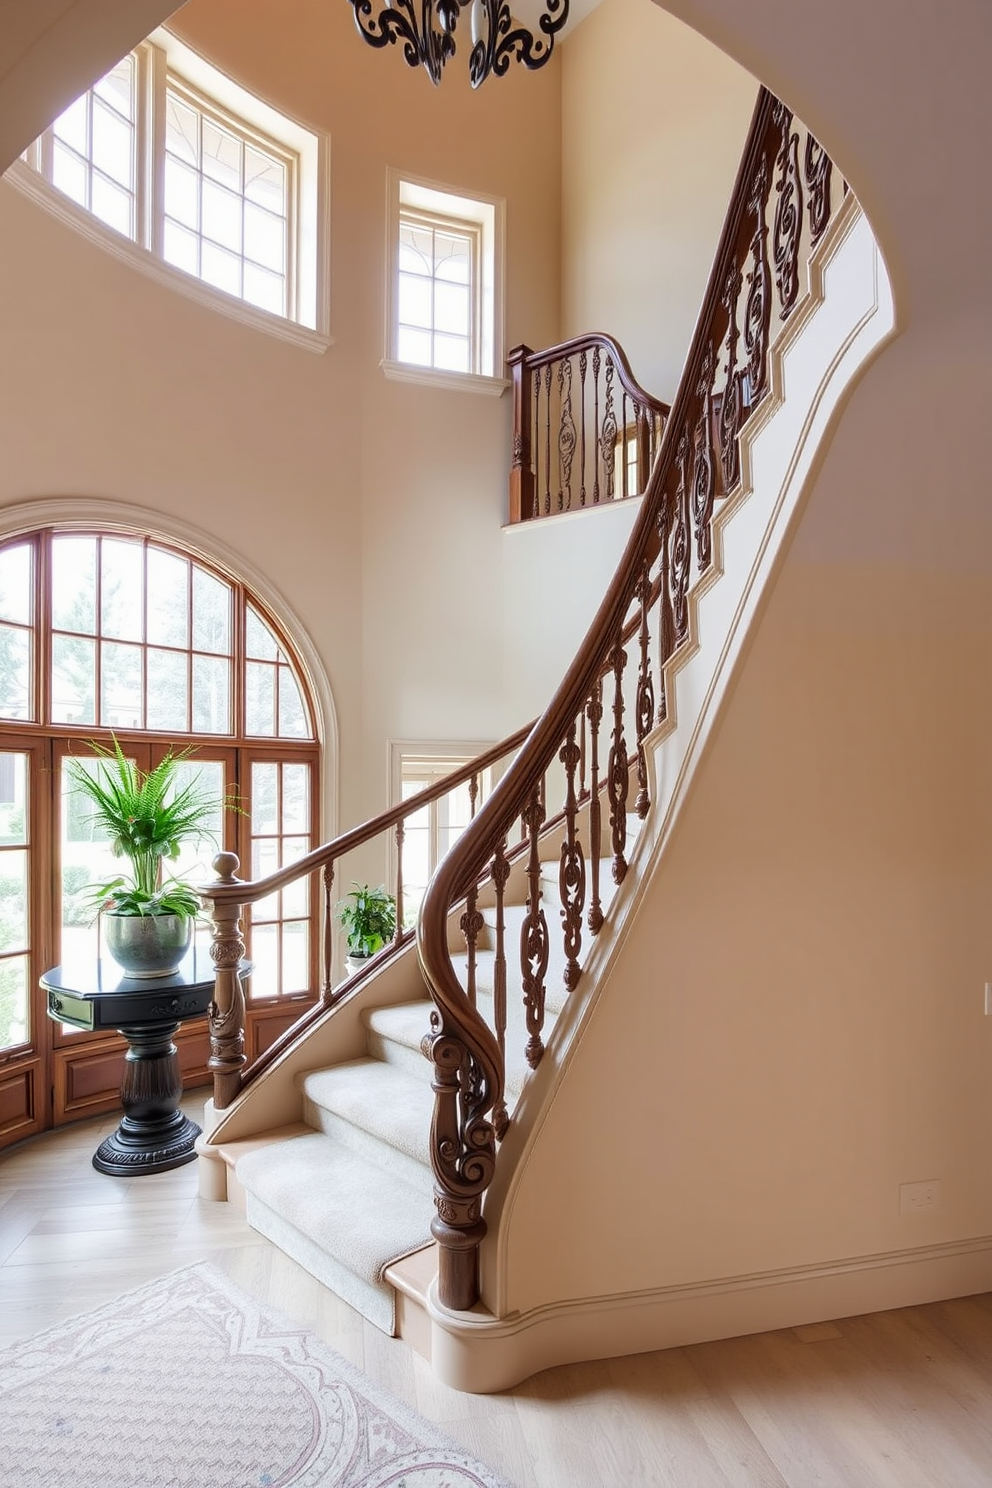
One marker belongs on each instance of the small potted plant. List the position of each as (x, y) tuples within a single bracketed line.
[(368, 917), (149, 918)]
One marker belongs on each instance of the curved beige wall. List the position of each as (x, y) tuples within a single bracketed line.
[(653, 122)]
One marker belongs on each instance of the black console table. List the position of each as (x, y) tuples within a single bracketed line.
[(154, 1134)]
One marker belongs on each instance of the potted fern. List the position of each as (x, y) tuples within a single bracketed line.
[(368, 917), (148, 917)]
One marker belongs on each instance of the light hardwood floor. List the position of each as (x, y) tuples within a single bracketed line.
[(894, 1400)]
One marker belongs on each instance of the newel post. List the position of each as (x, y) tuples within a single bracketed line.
[(521, 473), (226, 1014)]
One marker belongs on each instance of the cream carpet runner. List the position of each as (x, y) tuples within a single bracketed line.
[(188, 1383)]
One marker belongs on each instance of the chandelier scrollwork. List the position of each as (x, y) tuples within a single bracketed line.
[(427, 33)]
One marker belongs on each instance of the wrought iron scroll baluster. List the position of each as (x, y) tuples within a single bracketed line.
[(566, 434), (788, 213), (327, 878), (534, 940), (704, 472), (758, 306), (594, 713), (731, 406), (500, 876), (226, 1013), (666, 638), (618, 775), (595, 423), (583, 366), (547, 447), (817, 169), (571, 867), (470, 925), (608, 437), (645, 694), (681, 547)]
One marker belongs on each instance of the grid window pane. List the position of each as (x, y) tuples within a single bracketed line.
[(265, 181), (13, 799), (73, 680), (122, 590), (260, 642), (74, 584), (451, 353), (211, 613), (121, 689), (265, 239), (182, 193), (72, 126), (14, 1019), (181, 248), (260, 699), (295, 956), (415, 347), (221, 155), (452, 310), (69, 174), (168, 691), (264, 289), (15, 672), (220, 268), (265, 798), (211, 695), (292, 717), (296, 798), (13, 900), (16, 567), (221, 217), (416, 302), (453, 258), (117, 88), (113, 145), (168, 599), (112, 205), (182, 130)]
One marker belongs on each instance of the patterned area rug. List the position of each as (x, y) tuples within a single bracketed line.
[(188, 1383)]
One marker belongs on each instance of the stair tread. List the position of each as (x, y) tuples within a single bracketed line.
[(380, 1099), (363, 1216)]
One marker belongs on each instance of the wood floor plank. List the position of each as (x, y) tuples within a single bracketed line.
[(893, 1400)]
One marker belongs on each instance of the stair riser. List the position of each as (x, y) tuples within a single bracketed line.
[(363, 1144)]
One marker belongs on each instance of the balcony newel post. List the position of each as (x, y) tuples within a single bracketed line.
[(521, 473), (226, 1014)]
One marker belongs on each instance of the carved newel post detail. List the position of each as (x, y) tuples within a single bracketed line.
[(226, 1014)]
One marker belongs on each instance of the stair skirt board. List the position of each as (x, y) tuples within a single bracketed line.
[(342, 1219)]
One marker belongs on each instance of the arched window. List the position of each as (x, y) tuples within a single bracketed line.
[(117, 634)]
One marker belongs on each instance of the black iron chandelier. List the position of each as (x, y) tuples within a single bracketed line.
[(429, 37)]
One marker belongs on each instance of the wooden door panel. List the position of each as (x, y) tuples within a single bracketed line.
[(21, 1100)]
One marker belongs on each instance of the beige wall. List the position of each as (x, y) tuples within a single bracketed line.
[(372, 508), (795, 1025), (653, 122)]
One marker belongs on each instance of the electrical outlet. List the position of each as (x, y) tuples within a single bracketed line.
[(917, 1198)]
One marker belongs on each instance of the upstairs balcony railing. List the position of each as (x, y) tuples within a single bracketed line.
[(584, 432)]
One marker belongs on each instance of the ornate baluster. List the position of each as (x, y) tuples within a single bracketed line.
[(583, 364), (618, 775), (226, 1013), (645, 694), (566, 434), (583, 755), (473, 795), (328, 879), (521, 474), (536, 437), (681, 547), (624, 433), (731, 406), (704, 472), (500, 875), (534, 941), (572, 867), (594, 713), (547, 452), (817, 169), (645, 447), (400, 836), (608, 438), (758, 306), (471, 924), (595, 423), (788, 212), (666, 637)]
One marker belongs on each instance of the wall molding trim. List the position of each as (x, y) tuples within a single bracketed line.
[(480, 1354)]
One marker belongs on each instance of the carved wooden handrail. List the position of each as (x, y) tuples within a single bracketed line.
[(577, 410), (645, 611), (228, 896)]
